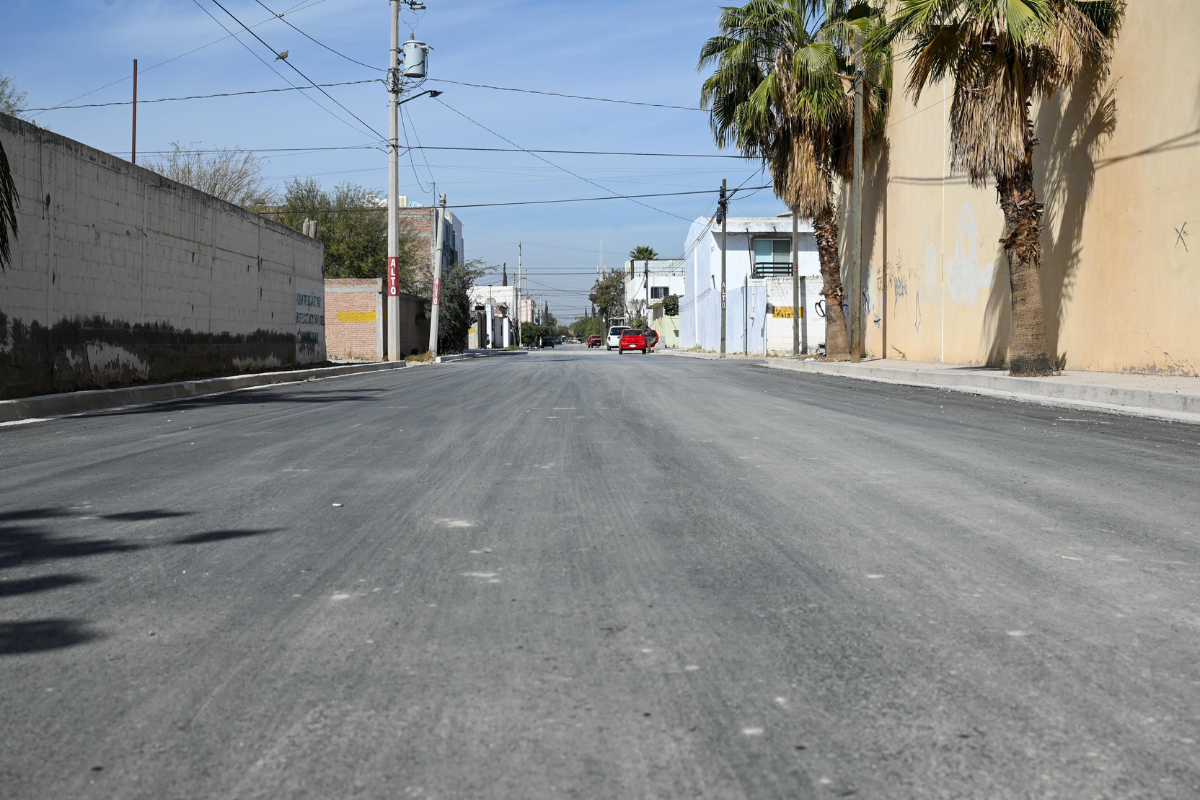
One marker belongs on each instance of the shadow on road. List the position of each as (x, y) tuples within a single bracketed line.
[(39, 635), (30, 537)]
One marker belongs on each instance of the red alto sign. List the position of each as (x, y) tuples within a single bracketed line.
[(437, 292), (393, 277)]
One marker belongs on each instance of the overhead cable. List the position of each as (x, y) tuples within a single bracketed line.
[(571, 96), (200, 96), (297, 70), (228, 35), (551, 163), (311, 39)]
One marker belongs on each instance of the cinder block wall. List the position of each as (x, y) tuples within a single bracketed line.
[(356, 316), (121, 276)]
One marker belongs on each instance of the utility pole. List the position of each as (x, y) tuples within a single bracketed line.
[(520, 298), (437, 277), (722, 213), (133, 155), (856, 347), (393, 245), (797, 309)]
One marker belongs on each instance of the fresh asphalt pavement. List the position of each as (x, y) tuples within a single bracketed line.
[(581, 574)]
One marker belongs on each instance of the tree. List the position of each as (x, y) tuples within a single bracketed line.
[(232, 174), (1001, 56), (12, 101), (608, 295), (9, 202), (352, 223), (455, 311), (549, 321), (643, 253), (671, 305), (782, 91)]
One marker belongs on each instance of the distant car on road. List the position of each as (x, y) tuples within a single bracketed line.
[(614, 336), (634, 339), (547, 341), (595, 340)]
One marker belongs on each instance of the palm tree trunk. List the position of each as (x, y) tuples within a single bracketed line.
[(1028, 348), (825, 228)]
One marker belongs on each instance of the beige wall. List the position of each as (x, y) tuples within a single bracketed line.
[(1118, 169)]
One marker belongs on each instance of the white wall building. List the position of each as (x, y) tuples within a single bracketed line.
[(758, 286), (649, 281), (495, 309)]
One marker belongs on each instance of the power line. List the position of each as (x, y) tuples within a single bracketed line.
[(520, 203), (297, 70), (571, 96), (551, 163), (198, 96), (228, 35), (738, 157), (311, 39), (250, 50)]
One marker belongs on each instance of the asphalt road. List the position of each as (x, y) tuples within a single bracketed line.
[(577, 574)]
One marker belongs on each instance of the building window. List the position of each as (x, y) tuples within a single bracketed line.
[(772, 258), (658, 292)]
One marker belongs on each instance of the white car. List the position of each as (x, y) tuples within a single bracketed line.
[(614, 336)]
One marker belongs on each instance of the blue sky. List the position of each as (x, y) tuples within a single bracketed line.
[(619, 49)]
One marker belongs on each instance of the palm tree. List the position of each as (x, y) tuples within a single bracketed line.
[(1002, 55), (643, 253), (782, 91)]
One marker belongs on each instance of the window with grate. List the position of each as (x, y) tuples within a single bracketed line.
[(772, 258), (658, 292)]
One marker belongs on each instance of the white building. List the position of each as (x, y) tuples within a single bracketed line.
[(648, 282), (495, 324), (758, 286)]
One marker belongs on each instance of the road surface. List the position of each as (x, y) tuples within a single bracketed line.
[(579, 574)]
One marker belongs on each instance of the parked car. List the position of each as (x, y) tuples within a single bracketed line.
[(634, 339), (614, 336), (595, 340)]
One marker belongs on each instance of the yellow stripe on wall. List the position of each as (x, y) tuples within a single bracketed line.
[(356, 316)]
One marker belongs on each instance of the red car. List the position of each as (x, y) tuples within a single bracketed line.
[(595, 340), (634, 339)]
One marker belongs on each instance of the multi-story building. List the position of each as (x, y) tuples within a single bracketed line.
[(421, 222)]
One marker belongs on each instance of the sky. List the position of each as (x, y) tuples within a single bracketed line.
[(73, 52)]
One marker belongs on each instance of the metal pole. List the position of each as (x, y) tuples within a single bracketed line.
[(797, 309), (520, 300), (392, 340), (722, 209), (437, 277), (804, 319), (746, 316), (856, 345), (133, 156)]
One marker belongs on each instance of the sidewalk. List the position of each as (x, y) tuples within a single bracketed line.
[(1158, 396), (46, 406)]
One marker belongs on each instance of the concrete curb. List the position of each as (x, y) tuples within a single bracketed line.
[(58, 405), (1172, 406), (480, 354)]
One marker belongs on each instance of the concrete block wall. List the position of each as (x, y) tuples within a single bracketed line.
[(122, 276), (354, 318), (357, 318)]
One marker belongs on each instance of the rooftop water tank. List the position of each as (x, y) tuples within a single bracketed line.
[(415, 54)]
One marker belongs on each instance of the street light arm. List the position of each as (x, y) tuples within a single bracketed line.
[(430, 92)]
